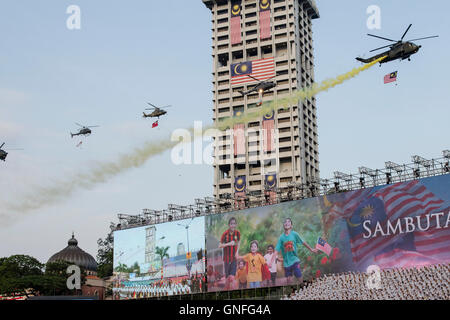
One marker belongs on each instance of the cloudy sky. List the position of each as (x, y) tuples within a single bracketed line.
[(126, 54)]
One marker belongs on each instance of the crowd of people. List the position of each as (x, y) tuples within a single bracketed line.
[(166, 287), (424, 283)]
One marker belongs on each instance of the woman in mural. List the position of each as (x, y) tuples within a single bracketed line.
[(287, 245)]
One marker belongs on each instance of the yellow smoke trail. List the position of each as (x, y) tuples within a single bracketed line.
[(102, 172)]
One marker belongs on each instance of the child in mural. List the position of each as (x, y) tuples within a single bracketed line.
[(288, 244), (230, 242), (271, 260), (255, 261), (241, 275)]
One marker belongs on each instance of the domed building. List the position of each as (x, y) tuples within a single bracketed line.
[(93, 286), (74, 254)]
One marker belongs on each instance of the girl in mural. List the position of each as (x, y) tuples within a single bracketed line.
[(255, 261)]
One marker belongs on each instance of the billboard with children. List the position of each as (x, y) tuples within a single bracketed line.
[(400, 225), (160, 260)]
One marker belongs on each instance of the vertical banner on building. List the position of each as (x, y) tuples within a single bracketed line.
[(240, 183), (264, 19), (235, 22), (270, 183), (268, 124), (239, 136)]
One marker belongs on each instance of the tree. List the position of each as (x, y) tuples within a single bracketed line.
[(162, 253), (20, 274), (105, 256)]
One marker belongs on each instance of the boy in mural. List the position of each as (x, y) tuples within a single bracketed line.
[(241, 275), (230, 242), (255, 261), (271, 260), (288, 244)]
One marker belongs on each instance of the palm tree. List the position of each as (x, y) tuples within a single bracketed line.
[(162, 253)]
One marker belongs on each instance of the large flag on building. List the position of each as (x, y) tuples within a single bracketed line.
[(264, 19), (386, 214), (235, 22), (262, 69), (238, 136), (391, 77), (268, 126), (270, 184)]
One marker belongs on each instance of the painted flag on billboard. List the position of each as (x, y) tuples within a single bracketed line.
[(262, 69), (323, 246), (239, 136), (393, 204), (268, 124), (155, 124), (235, 22), (391, 77), (264, 19)]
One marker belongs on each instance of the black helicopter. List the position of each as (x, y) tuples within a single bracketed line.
[(85, 130), (3, 153), (399, 50), (157, 112), (261, 87)]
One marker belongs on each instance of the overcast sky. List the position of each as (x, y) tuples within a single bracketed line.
[(127, 53)]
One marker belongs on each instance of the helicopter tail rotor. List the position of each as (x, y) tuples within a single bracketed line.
[(2, 145)]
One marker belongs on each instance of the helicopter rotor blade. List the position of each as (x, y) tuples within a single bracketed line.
[(405, 32), (2, 145), (380, 48), (424, 38), (151, 108), (166, 106), (79, 124), (372, 35), (254, 78), (92, 126), (152, 105)]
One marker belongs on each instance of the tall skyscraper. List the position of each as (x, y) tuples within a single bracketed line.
[(263, 40)]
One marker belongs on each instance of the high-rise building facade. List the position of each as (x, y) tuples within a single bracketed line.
[(263, 40)]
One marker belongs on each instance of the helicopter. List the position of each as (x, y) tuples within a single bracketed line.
[(398, 50), (3, 153), (261, 87), (85, 130), (156, 113)]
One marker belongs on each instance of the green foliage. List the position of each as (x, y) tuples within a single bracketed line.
[(105, 256)]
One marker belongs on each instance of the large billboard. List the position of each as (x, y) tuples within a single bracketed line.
[(399, 225), (160, 260)]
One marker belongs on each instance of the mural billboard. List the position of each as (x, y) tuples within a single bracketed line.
[(400, 225), (160, 260)]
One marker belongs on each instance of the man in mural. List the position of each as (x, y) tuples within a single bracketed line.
[(230, 242), (287, 245)]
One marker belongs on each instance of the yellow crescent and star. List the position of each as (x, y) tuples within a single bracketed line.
[(264, 4), (365, 214), (243, 69), (240, 182), (236, 9)]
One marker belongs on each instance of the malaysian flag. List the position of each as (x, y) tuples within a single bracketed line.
[(410, 200), (323, 246), (264, 19), (235, 22), (391, 77), (239, 136), (262, 69), (270, 182), (268, 136), (239, 191), (154, 124)]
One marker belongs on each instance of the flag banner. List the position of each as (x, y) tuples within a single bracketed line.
[(262, 69), (268, 136), (264, 19), (323, 246), (390, 77), (238, 136), (235, 22), (155, 124), (240, 184)]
